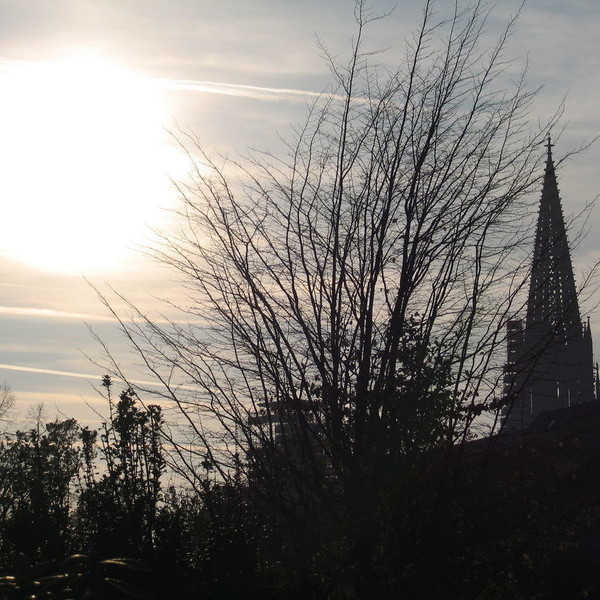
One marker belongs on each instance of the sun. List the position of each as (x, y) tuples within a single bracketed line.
[(84, 163)]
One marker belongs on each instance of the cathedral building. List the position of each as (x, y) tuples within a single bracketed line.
[(549, 354)]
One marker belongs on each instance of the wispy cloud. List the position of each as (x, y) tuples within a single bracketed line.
[(235, 89), (26, 311), (92, 376), (49, 313), (27, 369)]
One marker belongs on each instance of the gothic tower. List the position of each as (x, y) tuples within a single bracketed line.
[(549, 357)]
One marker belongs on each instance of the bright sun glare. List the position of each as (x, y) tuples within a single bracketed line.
[(84, 159)]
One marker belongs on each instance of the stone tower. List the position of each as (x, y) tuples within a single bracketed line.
[(549, 357)]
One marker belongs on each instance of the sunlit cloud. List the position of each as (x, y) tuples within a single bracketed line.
[(7, 64), (26, 311), (65, 125), (271, 94), (84, 151)]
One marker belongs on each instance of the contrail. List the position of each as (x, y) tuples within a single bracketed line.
[(236, 89), (51, 372), (27, 311), (40, 371)]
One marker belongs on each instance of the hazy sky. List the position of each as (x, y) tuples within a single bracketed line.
[(89, 90)]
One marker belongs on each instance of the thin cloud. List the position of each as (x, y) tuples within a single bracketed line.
[(235, 89), (40, 371), (13, 285), (50, 372), (49, 313), (26, 311)]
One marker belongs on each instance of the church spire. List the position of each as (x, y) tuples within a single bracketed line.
[(549, 357), (552, 305)]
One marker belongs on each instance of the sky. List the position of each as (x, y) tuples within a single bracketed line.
[(95, 93)]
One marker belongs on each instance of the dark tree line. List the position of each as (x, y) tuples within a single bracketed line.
[(99, 494), (85, 511)]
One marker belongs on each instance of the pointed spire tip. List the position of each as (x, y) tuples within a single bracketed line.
[(549, 161)]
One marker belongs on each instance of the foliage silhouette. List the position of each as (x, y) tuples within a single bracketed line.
[(77, 577), (118, 509), (39, 468)]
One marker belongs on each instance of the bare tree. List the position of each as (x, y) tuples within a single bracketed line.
[(353, 292), (7, 401)]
